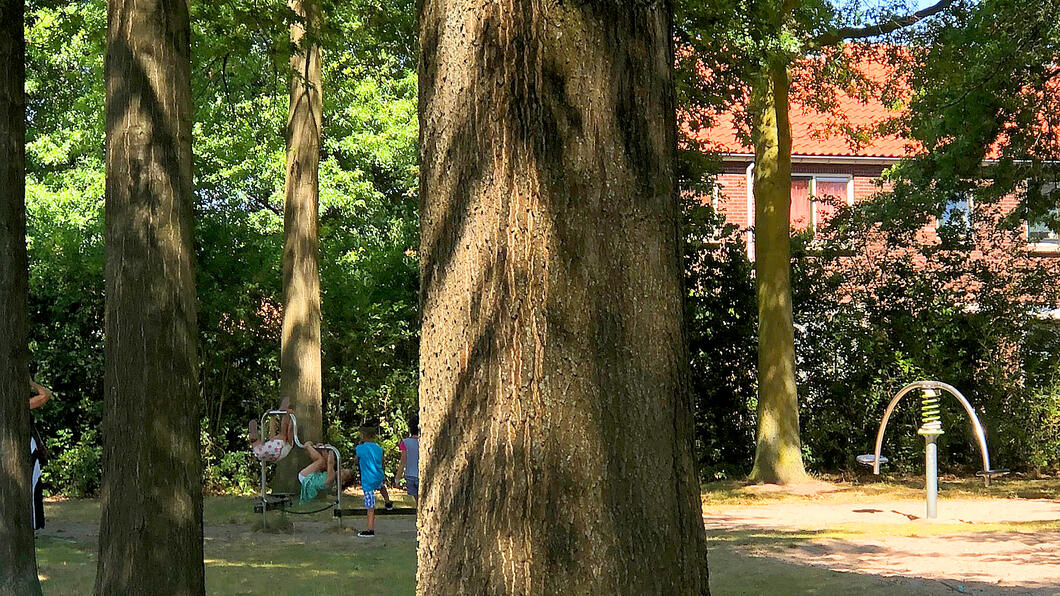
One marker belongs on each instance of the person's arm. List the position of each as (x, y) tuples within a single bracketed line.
[(317, 461), (313, 453), (332, 475), (401, 466), (382, 464), (42, 396)]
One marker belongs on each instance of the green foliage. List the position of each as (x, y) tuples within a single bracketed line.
[(64, 196), (874, 311), (986, 111), (722, 324), (76, 467), (368, 223), (227, 471)]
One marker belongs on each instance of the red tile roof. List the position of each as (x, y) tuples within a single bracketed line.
[(822, 134)]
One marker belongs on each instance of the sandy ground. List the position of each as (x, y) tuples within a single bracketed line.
[(965, 551)]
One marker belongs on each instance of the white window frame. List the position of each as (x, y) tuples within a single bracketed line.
[(968, 220), (813, 176), (1048, 246), (847, 178)]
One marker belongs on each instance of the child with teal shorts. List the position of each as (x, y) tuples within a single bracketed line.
[(320, 474)]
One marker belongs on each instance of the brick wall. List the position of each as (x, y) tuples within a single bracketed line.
[(737, 207), (995, 250)]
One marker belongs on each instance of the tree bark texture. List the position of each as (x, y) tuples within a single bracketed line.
[(300, 342), (151, 529), (18, 562), (556, 419), (300, 371), (778, 452)]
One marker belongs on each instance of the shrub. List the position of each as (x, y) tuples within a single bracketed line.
[(75, 470), (873, 311)]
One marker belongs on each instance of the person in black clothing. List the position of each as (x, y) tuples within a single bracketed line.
[(39, 395)]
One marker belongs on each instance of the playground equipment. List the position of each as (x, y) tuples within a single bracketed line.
[(930, 429), (270, 502)]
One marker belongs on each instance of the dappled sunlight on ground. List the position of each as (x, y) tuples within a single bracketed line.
[(831, 538), (985, 541), (313, 558)]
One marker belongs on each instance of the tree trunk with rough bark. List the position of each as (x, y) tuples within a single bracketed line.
[(555, 413), (778, 451), (151, 529), (18, 561), (300, 375)]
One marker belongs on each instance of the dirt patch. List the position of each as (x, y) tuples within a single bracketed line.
[(828, 515), (809, 488), (977, 546), (1026, 562)]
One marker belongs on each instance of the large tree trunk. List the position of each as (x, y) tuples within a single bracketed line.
[(557, 425), (300, 340), (18, 562), (151, 530), (778, 452)]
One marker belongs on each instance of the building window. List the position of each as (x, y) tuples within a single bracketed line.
[(1042, 230), (958, 212), (1042, 233), (801, 206), (954, 226), (814, 199)]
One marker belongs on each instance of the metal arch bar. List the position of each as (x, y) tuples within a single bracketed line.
[(294, 423), (980, 436), (298, 442), (261, 428), (338, 475)]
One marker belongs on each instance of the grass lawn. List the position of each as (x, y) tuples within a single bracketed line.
[(751, 552), (315, 558)]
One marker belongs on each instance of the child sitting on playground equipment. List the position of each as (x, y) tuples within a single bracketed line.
[(370, 457), (279, 444), (320, 474)]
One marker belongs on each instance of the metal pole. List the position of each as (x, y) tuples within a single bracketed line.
[(931, 474), (294, 432), (264, 505), (338, 487)]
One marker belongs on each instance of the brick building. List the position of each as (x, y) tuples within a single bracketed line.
[(825, 163)]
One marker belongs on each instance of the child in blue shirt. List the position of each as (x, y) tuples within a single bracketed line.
[(370, 457)]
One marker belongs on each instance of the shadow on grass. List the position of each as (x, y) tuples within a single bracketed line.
[(315, 559), (762, 561), (734, 572), (309, 569), (734, 492)]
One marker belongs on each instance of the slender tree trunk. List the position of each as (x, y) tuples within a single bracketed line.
[(300, 340), (18, 562), (778, 452), (151, 531), (557, 424)]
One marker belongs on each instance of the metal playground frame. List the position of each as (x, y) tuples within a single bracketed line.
[(930, 429), (280, 503)]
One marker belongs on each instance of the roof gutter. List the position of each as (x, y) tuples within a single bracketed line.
[(816, 159)]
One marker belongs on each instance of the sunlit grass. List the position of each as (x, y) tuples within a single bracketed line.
[(316, 560), (320, 560)]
